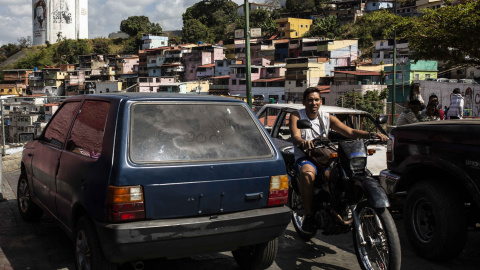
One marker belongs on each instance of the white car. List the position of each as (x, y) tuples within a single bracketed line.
[(275, 117)]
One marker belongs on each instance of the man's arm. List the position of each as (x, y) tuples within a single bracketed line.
[(349, 132), (296, 134), (411, 118)]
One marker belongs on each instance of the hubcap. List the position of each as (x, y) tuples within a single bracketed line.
[(82, 251), (423, 220), (23, 196)]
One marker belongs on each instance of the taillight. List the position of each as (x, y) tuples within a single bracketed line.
[(390, 143), (125, 203), (278, 190)]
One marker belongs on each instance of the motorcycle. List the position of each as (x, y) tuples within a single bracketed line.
[(346, 198)]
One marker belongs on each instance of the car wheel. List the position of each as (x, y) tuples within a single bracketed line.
[(88, 252), (256, 257), (435, 221), (28, 209)]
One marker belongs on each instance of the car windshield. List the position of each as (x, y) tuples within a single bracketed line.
[(189, 132)]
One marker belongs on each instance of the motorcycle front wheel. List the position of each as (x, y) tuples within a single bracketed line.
[(298, 214), (381, 247)]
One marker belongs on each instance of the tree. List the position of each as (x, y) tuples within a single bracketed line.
[(215, 15), (194, 31), (325, 27), (371, 101), (300, 6), (448, 34), (370, 27), (101, 46), (139, 24), (259, 18), (25, 42)]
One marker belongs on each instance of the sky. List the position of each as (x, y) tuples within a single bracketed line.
[(104, 16)]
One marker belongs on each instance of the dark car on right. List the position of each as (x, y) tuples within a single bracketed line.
[(437, 165)]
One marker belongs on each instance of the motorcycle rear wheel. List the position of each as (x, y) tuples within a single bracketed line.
[(381, 249), (298, 213)]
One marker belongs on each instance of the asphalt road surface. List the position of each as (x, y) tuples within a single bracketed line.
[(43, 245)]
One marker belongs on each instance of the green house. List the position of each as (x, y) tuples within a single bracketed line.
[(406, 74)]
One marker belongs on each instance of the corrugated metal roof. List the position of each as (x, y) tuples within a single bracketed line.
[(281, 79), (207, 66), (221, 77)]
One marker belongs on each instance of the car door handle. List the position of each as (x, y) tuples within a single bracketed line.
[(253, 196), (30, 155)]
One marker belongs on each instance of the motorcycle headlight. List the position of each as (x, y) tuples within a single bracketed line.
[(357, 163)]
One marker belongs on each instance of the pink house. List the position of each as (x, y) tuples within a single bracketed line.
[(200, 56), (238, 79)]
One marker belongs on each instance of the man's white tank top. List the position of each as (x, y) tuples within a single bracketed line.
[(309, 134)]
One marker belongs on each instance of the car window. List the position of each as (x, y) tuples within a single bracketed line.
[(268, 116), (57, 129), (87, 132), (182, 132)]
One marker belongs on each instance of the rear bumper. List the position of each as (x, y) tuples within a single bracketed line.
[(188, 236), (389, 181)]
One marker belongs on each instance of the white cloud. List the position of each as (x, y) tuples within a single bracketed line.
[(104, 16)]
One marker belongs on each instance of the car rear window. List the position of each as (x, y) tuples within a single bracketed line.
[(185, 132)]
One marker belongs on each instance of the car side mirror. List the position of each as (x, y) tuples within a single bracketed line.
[(382, 119), (304, 124), (26, 137)]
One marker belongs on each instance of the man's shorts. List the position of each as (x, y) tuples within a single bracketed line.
[(303, 161)]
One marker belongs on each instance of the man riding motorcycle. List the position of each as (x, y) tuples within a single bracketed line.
[(302, 139)]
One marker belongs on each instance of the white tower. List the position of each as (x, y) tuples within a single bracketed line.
[(67, 17)]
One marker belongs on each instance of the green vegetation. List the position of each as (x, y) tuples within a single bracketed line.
[(371, 101), (450, 34)]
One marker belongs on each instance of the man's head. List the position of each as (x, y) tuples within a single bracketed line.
[(433, 98), (456, 91), (415, 106), (431, 108), (312, 100)]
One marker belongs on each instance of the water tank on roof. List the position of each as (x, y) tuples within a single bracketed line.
[(200, 42)]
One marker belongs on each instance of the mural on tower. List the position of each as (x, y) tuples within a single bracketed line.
[(58, 19), (39, 16)]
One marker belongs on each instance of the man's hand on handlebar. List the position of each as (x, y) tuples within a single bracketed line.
[(305, 145), (380, 136)]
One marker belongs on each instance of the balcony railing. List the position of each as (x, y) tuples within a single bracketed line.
[(218, 87)]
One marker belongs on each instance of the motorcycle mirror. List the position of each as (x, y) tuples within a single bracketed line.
[(304, 124), (382, 119)]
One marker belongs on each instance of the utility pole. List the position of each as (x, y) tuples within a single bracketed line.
[(394, 65), (247, 54), (3, 151)]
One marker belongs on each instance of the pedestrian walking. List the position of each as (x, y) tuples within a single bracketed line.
[(455, 111)]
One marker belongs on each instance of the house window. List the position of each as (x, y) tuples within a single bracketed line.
[(234, 82), (157, 79), (242, 82), (301, 25), (427, 76), (306, 26), (417, 77)]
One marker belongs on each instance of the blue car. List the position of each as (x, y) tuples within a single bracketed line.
[(136, 176)]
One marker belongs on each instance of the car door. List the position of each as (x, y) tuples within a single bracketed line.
[(46, 155), (83, 171)]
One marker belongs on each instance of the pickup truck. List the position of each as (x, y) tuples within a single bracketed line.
[(437, 166), (275, 119)]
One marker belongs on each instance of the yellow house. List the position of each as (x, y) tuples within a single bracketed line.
[(293, 27)]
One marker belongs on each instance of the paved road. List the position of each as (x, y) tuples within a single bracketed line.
[(43, 245)]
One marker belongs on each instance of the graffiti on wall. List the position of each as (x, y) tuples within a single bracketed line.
[(62, 13)]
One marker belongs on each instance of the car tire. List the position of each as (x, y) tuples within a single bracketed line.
[(435, 221), (88, 252), (27, 208), (256, 257)]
